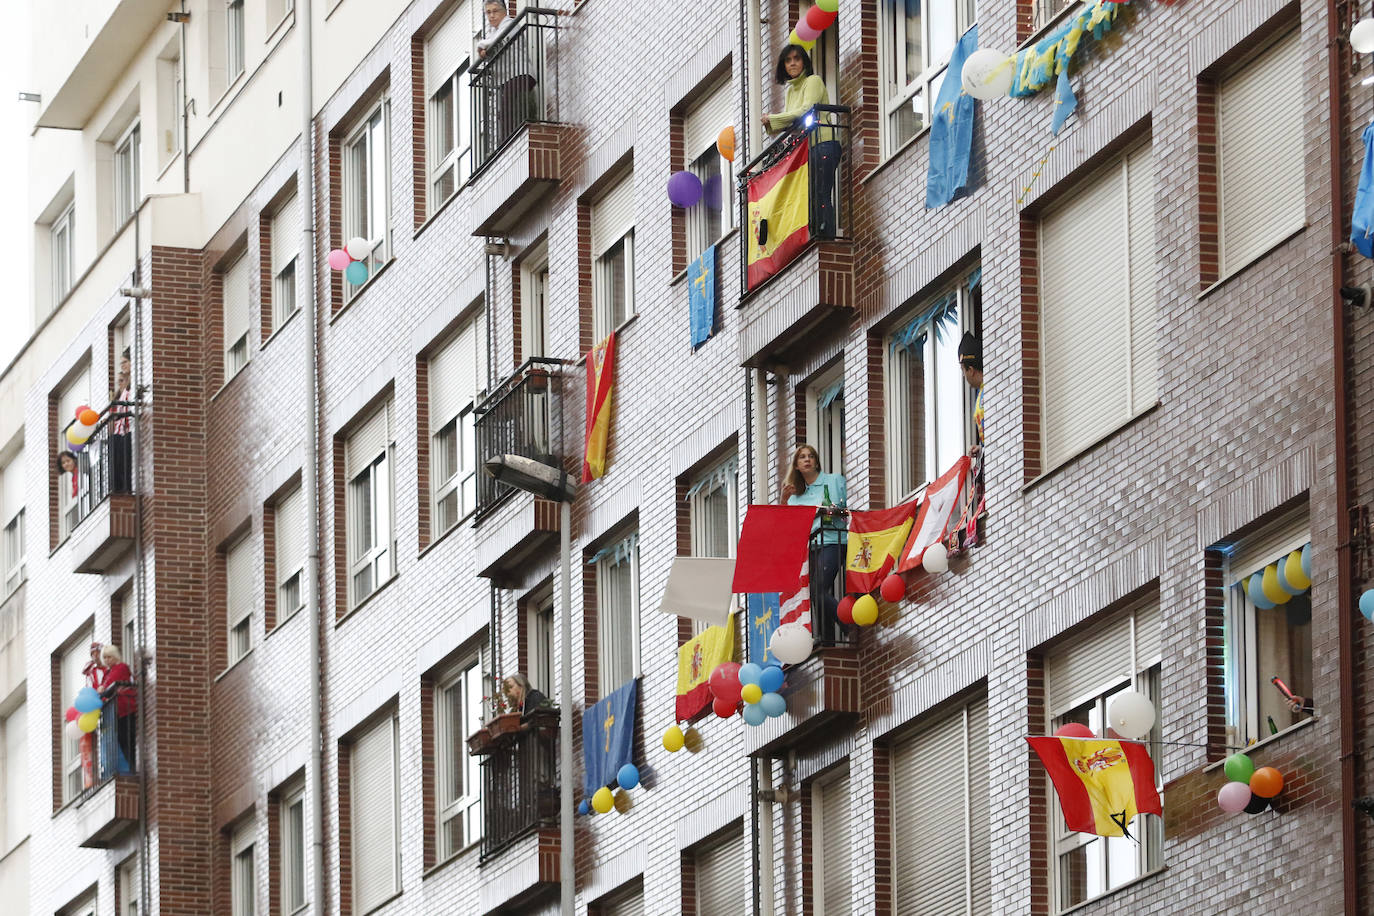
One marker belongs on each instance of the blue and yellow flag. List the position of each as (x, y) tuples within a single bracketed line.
[(701, 296), (608, 734), (764, 610), (951, 131)]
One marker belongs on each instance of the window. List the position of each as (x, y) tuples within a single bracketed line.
[(454, 382), (1097, 327), (13, 547), (293, 850), (239, 596), (825, 418), (617, 612), (1265, 640), (540, 623), (722, 875), (237, 317), (61, 237), (1082, 676), (72, 507), (12, 569), (831, 830), (130, 886), (941, 837), (373, 808), (624, 902), (367, 460), (126, 174), (233, 31), (289, 536), (534, 306), (927, 403), (1045, 11), (612, 239), (450, 115), (458, 713), (70, 671), (15, 746), (286, 244), (700, 128), (713, 508), (917, 41), (365, 203), (242, 887), (1260, 131), (167, 136)]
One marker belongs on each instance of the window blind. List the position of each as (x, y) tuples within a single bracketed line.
[(1100, 658), (289, 533), (833, 830), (613, 215), (929, 820), (629, 903), (238, 579), (722, 876), (368, 441), (235, 292), (453, 373), (373, 815), (12, 488), (706, 119), (447, 48), (1257, 551), (286, 233)]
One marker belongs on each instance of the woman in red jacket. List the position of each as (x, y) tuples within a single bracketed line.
[(118, 682)]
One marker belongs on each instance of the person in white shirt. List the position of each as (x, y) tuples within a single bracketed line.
[(497, 23), (511, 97)]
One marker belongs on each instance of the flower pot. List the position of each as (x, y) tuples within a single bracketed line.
[(479, 742), (537, 379), (504, 724)]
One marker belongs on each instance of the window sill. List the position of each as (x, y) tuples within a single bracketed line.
[(166, 167), (361, 290), (1266, 742), (443, 537), (286, 22), (278, 329), (624, 325), (682, 274), (1149, 875), (438, 211), (366, 601), (395, 896), (234, 664), (229, 90), (1231, 275), (1116, 430), (285, 620), (462, 853), (896, 154), (230, 380)]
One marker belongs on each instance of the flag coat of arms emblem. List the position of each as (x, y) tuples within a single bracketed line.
[(696, 659), (1102, 785), (875, 540), (600, 380)]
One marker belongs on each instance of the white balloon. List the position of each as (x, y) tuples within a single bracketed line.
[(936, 558), (987, 74), (1362, 36), (1131, 714), (790, 643), (81, 430), (358, 248), (73, 730)]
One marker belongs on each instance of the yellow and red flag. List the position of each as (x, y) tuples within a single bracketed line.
[(1102, 785), (600, 380), (942, 497), (696, 659), (875, 540), (779, 200)]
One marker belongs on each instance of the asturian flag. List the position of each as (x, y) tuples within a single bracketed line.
[(1102, 785), (608, 735), (600, 380), (763, 611), (875, 539)]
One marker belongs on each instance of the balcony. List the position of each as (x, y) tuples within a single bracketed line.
[(801, 280), (100, 521), (516, 132), (109, 807)]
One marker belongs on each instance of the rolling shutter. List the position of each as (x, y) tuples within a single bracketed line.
[(613, 216), (368, 441), (453, 373), (629, 903), (235, 292), (929, 781), (1260, 154), (833, 834), (980, 809), (447, 48), (12, 489), (723, 877), (238, 578), (289, 523), (373, 815), (286, 233), (1264, 547), (77, 392), (1140, 202), (1101, 658), (16, 815), (707, 119)]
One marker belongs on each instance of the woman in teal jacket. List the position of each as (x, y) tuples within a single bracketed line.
[(805, 90)]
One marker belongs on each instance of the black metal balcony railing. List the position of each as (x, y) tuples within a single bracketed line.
[(515, 85), (103, 466), (825, 569), (517, 419), (825, 132), (110, 759), (520, 783)]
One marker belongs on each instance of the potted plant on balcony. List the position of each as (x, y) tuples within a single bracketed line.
[(504, 719), (537, 378)]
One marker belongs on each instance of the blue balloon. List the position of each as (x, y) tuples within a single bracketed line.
[(771, 679), (1367, 604), (356, 273), (1283, 579), (1307, 560), (1255, 589), (584, 808), (628, 776), (87, 700), (754, 714), (773, 704), (749, 673)]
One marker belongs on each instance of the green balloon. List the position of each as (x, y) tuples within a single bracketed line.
[(830, 6), (1239, 768)]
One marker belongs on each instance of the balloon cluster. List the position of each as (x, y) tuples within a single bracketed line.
[(1248, 789), (816, 20), (759, 688), (83, 716), (83, 425), (603, 799), (352, 260), (1278, 582), (863, 609)]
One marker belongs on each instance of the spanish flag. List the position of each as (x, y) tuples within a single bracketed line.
[(696, 659), (1102, 785), (600, 380), (778, 204), (875, 539)]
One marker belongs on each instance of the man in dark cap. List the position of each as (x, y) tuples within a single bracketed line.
[(971, 361)]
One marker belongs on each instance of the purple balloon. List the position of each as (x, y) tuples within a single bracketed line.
[(1233, 797), (76, 449), (710, 191), (684, 189)]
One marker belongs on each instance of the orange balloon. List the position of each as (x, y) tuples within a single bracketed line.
[(89, 417), (725, 143), (1266, 782)]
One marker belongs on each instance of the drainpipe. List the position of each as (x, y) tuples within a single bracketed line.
[(185, 114), (310, 472)]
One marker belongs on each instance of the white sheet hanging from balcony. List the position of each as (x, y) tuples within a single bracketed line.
[(699, 588)]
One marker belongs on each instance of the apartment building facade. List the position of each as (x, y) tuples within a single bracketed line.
[(1171, 407)]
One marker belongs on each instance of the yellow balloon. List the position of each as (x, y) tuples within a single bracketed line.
[(866, 611), (88, 721), (1292, 571), (603, 800), (74, 436), (751, 693), (1271, 588), (673, 740)]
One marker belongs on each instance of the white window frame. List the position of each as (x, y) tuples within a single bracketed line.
[(371, 180), (284, 303), (15, 570), (825, 425), (62, 246), (714, 492), (128, 155), (389, 722), (236, 353), (605, 274), (705, 161), (453, 490), (939, 367), (539, 624), (292, 855), (819, 787), (238, 608), (14, 813), (453, 164), (290, 575), (242, 870), (921, 91), (376, 525), (130, 886), (234, 40), (614, 622), (458, 774), (534, 303)]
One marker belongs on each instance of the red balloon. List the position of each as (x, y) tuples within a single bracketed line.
[(846, 610), (724, 708), (1074, 730), (894, 589), (819, 19), (79, 410), (73, 713), (725, 683)]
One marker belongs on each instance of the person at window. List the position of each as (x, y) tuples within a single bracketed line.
[(807, 485), (120, 442), (497, 23), (521, 696), (805, 90), (516, 103), (118, 681), (971, 362), (66, 464)]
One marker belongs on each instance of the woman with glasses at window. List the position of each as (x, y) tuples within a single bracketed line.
[(805, 90), (807, 485)]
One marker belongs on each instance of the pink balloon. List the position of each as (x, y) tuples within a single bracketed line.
[(1074, 730), (805, 32), (1233, 797), (339, 259)]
